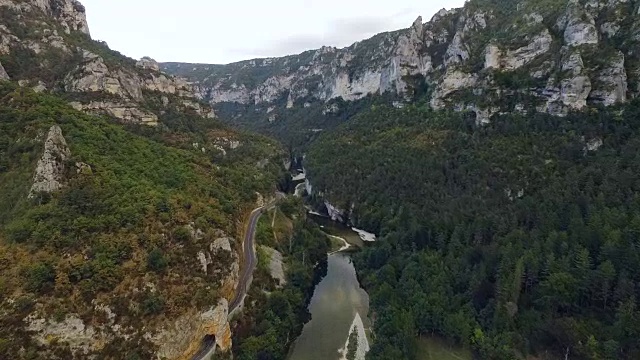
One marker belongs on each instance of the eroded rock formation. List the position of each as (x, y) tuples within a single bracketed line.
[(50, 172)]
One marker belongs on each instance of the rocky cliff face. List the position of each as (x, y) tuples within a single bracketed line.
[(69, 14), (46, 44), (50, 173), (488, 57), (3, 74)]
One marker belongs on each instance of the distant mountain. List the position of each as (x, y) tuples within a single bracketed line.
[(489, 57)]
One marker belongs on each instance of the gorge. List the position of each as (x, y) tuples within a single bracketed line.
[(486, 162)]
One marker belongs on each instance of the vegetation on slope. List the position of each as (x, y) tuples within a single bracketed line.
[(276, 315), (513, 238), (121, 223)]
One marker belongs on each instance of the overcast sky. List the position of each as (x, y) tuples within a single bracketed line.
[(223, 31)]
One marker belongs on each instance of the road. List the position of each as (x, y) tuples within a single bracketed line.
[(250, 262)]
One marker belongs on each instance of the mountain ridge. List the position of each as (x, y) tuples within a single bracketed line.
[(565, 55)]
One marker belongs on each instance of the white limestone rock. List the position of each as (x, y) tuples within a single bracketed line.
[(452, 81), (492, 57), (611, 83), (539, 45), (276, 265), (148, 63), (70, 14), (72, 331), (579, 26), (457, 52), (594, 144), (3, 73), (50, 171), (126, 112), (180, 338), (334, 213), (93, 75), (407, 60), (575, 91)]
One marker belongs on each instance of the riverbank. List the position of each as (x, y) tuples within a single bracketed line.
[(337, 302)]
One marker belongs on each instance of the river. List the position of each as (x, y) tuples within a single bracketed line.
[(337, 299)]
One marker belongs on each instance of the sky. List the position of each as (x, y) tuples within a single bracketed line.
[(224, 31)]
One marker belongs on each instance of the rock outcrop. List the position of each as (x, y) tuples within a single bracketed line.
[(458, 56), (220, 252), (99, 79), (3, 73), (182, 339), (50, 172), (70, 14), (72, 331), (276, 266), (148, 63), (128, 113)]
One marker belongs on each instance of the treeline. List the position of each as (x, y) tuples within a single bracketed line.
[(515, 238)]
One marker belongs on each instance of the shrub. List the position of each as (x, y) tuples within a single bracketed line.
[(182, 234), (40, 277), (156, 261)]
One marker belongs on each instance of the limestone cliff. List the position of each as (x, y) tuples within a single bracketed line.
[(46, 44), (561, 55)]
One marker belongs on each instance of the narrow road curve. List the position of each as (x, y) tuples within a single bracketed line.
[(250, 262)]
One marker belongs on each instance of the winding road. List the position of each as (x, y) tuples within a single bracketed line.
[(250, 262)]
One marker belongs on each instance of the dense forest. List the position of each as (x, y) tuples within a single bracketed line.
[(513, 238)]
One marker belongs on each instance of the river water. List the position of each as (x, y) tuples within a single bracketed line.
[(335, 303)]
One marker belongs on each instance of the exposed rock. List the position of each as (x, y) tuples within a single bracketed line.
[(221, 249), (457, 51), (181, 339), (451, 82), (515, 59), (579, 26), (129, 113), (594, 144), (483, 116), (574, 91), (72, 331), (331, 109), (276, 266), (148, 63), (83, 169), (3, 73), (539, 45), (94, 75), (40, 87), (334, 213), (407, 60), (290, 102), (441, 55), (50, 172), (222, 244), (612, 82), (609, 29), (70, 14), (492, 57)]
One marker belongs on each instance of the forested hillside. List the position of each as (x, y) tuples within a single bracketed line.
[(517, 237), (124, 231)]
